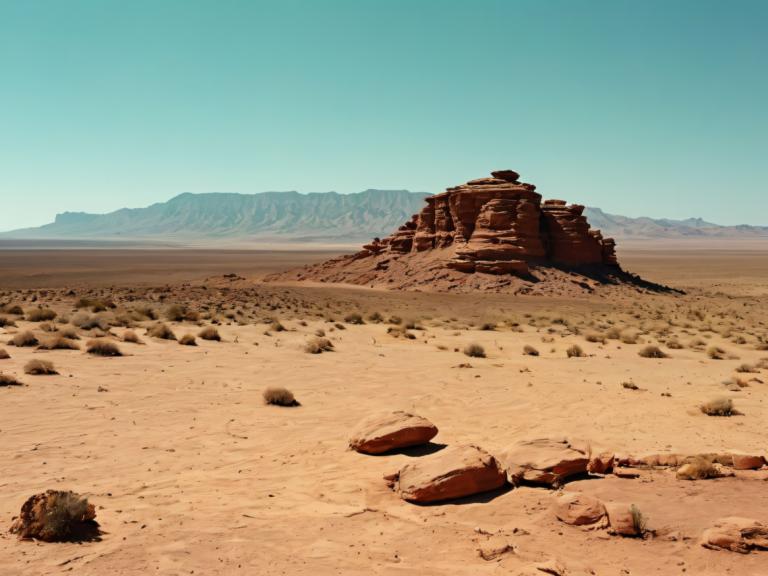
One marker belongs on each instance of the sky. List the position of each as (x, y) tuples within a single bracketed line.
[(643, 108)]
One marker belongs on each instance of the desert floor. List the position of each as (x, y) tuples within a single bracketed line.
[(192, 473)]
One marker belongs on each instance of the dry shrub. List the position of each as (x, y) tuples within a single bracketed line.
[(652, 352), (176, 313), (188, 340), (131, 337), (474, 351), (697, 468), (594, 337), (13, 309), (58, 342), (276, 326), (613, 333), (25, 338), (639, 522), (400, 332), (674, 344), (746, 369), (629, 385), (162, 331), (4, 354), (209, 333), (86, 321), (716, 353), (100, 347), (629, 337), (488, 326), (318, 345), (718, 407), (6, 322), (375, 317), (8, 380), (395, 320), (529, 350), (353, 318), (320, 332), (279, 397), (39, 367), (55, 516), (575, 351), (68, 332), (40, 314)]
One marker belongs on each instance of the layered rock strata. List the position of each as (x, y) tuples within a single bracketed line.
[(499, 225)]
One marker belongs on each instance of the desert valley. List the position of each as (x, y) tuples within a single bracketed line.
[(240, 411)]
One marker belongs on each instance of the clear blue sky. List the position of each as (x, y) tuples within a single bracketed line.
[(640, 107)]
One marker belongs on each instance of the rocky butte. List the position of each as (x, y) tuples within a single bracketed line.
[(491, 232)]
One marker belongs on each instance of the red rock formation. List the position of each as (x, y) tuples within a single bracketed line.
[(451, 473), (499, 225), (386, 432)]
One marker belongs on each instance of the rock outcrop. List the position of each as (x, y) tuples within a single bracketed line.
[(737, 535), (499, 225), (545, 461), (451, 473), (394, 430), (54, 516)]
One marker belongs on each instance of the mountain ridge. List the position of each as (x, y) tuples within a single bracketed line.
[(315, 216)]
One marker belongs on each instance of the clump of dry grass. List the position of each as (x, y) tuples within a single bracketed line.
[(488, 326), (86, 321), (69, 332), (188, 340), (162, 331), (131, 337), (746, 369), (697, 468), (400, 332), (101, 347), (354, 318), (674, 344), (276, 326), (25, 338), (629, 337), (4, 354), (716, 353), (39, 367), (575, 351), (639, 522), (13, 309), (58, 342), (8, 380), (697, 344), (629, 385), (40, 314), (594, 337), (474, 351), (718, 407), (179, 313), (318, 345), (279, 397), (6, 322), (209, 333), (651, 351), (613, 333), (375, 317), (529, 350)]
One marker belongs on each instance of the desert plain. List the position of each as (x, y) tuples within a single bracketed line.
[(191, 472)]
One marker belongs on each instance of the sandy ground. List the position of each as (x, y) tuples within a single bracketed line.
[(192, 473)]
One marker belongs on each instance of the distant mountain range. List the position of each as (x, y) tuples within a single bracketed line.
[(313, 217)]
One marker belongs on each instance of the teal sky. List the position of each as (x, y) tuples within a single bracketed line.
[(656, 108)]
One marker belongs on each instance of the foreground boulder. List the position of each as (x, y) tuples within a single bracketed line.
[(579, 509), (546, 461), (455, 472), (625, 519), (737, 535), (54, 516), (387, 432)]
